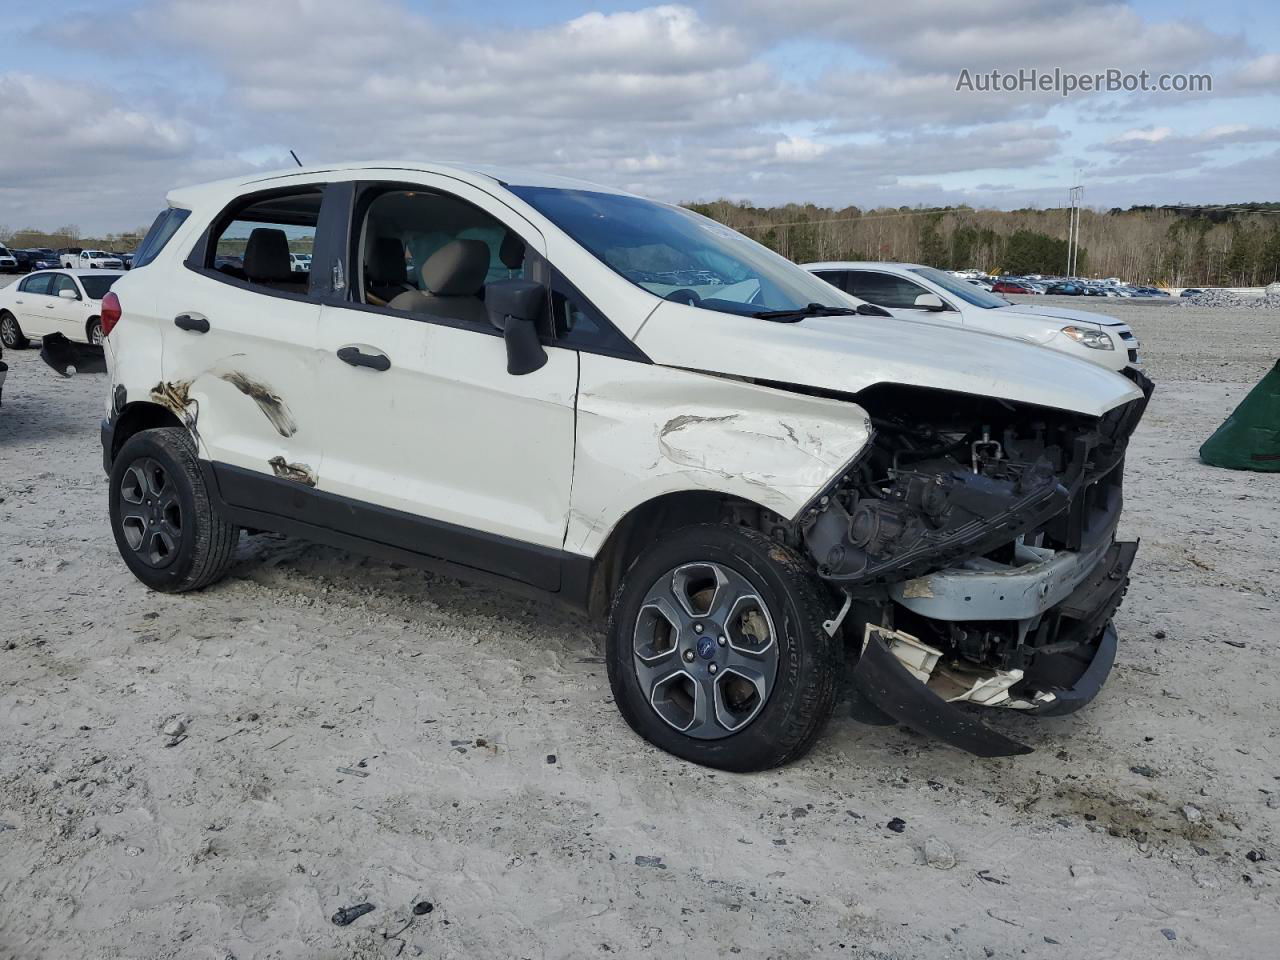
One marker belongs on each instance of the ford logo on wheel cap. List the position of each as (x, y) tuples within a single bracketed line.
[(706, 647)]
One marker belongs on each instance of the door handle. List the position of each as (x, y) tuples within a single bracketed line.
[(374, 361), (191, 321)]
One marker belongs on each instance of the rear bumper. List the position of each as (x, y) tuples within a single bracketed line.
[(1068, 671), (107, 432), (68, 358)]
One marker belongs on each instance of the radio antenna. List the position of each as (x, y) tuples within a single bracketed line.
[(295, 158)]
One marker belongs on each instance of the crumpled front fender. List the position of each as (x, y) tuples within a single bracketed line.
[(645, 431)]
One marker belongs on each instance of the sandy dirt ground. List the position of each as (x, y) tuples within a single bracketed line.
[(495, 779)]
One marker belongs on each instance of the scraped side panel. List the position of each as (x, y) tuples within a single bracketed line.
[(645, 430)]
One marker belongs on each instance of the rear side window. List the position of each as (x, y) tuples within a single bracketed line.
[(162, 229), (37, 284), (265, 240)]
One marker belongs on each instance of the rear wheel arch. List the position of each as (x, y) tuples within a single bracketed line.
[(136, 417)]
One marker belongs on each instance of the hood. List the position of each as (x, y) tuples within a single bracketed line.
[(1066, 313), (849, 354)]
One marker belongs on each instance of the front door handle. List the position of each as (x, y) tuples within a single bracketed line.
[(192, 322), (374, 361)]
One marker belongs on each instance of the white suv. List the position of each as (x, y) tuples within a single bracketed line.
[(619, 403), (914, 291)]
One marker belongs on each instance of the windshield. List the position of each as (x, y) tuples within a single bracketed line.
[(96, 253), (963, 289), (96, 288), (680, 255)]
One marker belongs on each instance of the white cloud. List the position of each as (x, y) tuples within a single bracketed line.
[(668, 100), (1147, 135), (1259, 74)]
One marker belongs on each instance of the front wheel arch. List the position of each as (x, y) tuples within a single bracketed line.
[(647, 522)]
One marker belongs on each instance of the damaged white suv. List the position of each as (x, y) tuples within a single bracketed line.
[(582, 393)]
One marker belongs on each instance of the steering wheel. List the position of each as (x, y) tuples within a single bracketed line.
[(684, 295)]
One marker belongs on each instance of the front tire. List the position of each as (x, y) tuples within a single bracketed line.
[(93, 331), (168, 532), (10, 333), (716, 651)]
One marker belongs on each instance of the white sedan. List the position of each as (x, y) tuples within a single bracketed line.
[(911, 291), (68, 302)]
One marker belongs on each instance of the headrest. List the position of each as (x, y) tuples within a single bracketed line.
[(511, 253), (457, 269), (266, 255), (386, 262)]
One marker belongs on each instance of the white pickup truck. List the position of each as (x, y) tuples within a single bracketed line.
[(90, 260)]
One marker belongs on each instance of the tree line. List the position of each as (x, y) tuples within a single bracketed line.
[(1236, 245), (70, 236)]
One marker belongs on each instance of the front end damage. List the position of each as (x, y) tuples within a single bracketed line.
[(975, 543)]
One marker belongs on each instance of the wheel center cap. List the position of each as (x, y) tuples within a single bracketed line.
[(706, 647)]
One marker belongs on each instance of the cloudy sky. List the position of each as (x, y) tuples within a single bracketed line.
[(105, 106)]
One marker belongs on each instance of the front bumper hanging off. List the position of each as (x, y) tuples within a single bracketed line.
[(886, 691)]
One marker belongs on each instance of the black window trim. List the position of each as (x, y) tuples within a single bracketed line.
[(199, 252), (363, 194)]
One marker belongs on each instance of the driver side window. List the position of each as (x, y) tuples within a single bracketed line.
[(884, 289), (430, 255), (63, 282)]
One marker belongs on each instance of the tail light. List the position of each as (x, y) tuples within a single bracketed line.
[(110, 314)]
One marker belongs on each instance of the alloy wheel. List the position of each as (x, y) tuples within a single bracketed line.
[(150, 512), (9, 332), (704, 650)]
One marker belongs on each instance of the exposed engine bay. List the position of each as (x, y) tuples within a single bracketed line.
[(974, 540)]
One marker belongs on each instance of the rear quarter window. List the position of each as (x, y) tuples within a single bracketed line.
[(162, 230)]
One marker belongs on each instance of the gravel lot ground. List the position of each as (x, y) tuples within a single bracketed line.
[(497, 781)]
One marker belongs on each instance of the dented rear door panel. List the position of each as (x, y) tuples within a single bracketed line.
[(246, 388)]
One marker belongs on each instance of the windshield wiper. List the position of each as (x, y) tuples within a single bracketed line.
[(812, 310)]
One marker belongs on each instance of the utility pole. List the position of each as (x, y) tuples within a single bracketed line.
[(1073, 230)]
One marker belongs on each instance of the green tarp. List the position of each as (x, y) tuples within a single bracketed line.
[(1250, 439)]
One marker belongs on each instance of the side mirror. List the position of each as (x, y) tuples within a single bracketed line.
[(515, 307), (931, 302), (66, 294)]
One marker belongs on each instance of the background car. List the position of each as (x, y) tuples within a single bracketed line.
[(1191, 292), (912, 291), (91, 260), (1010, 286), (8, 262), (1065, 289), (68, 302)]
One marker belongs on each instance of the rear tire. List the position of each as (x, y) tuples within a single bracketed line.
[(10, 333), (168, 532), (753, 688)]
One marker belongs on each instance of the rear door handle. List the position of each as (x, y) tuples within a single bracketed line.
[(191, 321), (374, 361)]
